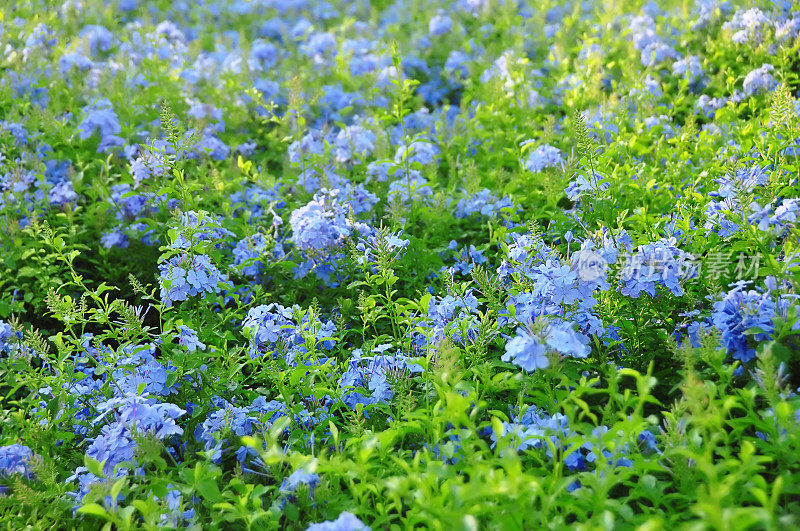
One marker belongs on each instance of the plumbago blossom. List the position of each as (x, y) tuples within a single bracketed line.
[(544, 156), (532, 347), (726, 202), (127, 418), (294, 482), (187, 337), (536, 430), (9, 340), (346, 521), (99, 116), (659, 263), (194, 227), (452, 316), (185, 275), (228, 420), (322, 224), (561, 288), (590, 184), (139, 372), (250, 254), (353, 143), (746, 317), (760, 80), (466, 258), (134, 369), (368, 379), (380, 245), (749, 25), (15, 459), (409, 186), (273, 328), (420, 151), (310, 144), (151, 161), (321, 228), (777, 220), (483, 203), (554, 311)]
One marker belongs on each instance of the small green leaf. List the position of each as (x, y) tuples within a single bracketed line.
[(94, 466), (94, 509)]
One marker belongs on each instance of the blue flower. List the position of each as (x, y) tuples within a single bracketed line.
[(531, 350), (544, 156), (10, 342), (760, 80), (688, 68), (239, 421), (141, 370), (251, 252), (345, 522), (272, 324), (744, 316), (151, 161), (98, 37), (373, 373), (466, 258), (353, 143), (440, 24), (291, 484), (657, 263), (321, 224), (526, 351), (183, 276), (14, 459), (451, 316), (411, 185), (582, 185), (420, 150), (99, 116), (748, 26), (263, 55), (188, 338), (372, 244), (483, 203)]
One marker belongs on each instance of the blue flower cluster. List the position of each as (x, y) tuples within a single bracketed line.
[(660, 263), (466, 258), (368, 379), (532, 350), (345, 522), (483, 203), (537, 430), (229, 420), (15, 459), (273, 328), (322, 224), (544, 156), (745, 317), (184, 276), (248, 254)]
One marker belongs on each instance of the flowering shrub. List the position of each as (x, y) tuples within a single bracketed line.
[(337, 265)]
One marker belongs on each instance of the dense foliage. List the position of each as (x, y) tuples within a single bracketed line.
[(345, 265)]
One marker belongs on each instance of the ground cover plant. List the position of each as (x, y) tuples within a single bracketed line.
[(481, 264)]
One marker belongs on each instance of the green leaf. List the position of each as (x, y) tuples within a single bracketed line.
[(116, 489), (208, 489), (94, 509), (94, 466), (291, 511)]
